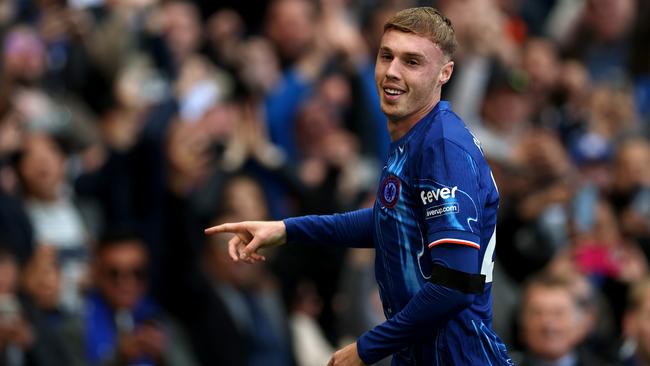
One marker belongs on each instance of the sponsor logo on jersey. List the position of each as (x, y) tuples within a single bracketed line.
[(390, 189), (437, 194), (440, 210)]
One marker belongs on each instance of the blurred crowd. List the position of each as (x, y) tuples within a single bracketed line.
[(128, 126)]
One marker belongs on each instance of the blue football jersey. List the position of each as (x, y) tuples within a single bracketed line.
[(437, 189)]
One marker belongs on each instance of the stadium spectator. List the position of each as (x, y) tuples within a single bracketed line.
[(601, 37), (310, 344), (15, 227), (120, 323), (543, 70), (41, 282), (53, 213), (553, 324), (26, 338), (636, 330), (630, 193), (224, 32), (182, 30), (253, 302)]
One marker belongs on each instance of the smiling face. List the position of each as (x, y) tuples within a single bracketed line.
[(409, 73), (551, 322)]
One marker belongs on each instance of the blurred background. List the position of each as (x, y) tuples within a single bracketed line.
[(128, 126)]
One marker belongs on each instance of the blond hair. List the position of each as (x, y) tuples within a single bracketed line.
[(426, 22)]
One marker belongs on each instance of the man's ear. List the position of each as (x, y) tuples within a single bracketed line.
[(446, 71)]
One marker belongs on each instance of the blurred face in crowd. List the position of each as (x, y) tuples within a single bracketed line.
[(23, 56), (478, 24), (336, 91), (290, 26), (8, 275), (42, 167), (611, 111), (183, 28), (315, 121), (632, 165), (244, 198), (606, 229), (541, 64), (259, 67), (610, 19), (505, 110), (121, 273), (188, 152), (225, 25), (409, 73), (11, 131), (574, 81), (41, 278), (551, 324)]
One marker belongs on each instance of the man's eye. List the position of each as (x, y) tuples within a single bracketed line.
[(386, 56), (412, 62)]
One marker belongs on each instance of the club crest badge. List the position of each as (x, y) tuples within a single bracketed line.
[(390, 189)]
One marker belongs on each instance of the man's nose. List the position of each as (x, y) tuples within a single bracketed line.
[(393, 71)]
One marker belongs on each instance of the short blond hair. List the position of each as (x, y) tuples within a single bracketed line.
[(426, 22)]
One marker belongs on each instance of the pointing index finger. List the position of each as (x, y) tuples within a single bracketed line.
[(223, 228)]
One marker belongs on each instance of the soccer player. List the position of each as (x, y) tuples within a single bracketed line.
[(433, 221)]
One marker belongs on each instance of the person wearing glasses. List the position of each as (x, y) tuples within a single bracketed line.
[(120, 324)]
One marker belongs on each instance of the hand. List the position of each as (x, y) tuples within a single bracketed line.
[(21, 334), (250, 236), (348, 356), (145, 340), (152, 340), (128, 347)]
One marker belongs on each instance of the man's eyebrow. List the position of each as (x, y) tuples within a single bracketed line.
[(415, 55)]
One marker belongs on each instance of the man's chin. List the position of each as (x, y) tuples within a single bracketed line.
[(395, 117), (391, 112)]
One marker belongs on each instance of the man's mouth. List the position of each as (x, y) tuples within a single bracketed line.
[(392, 93)]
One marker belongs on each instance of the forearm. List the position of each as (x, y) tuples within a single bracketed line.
[(351, 229), (427, 310)]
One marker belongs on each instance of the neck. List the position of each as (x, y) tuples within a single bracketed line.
[(401, 126)]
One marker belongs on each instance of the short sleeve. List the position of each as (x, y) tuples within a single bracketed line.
[(447, 184)]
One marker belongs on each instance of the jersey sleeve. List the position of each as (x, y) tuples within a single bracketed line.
[(447, 184), (351, 229)]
